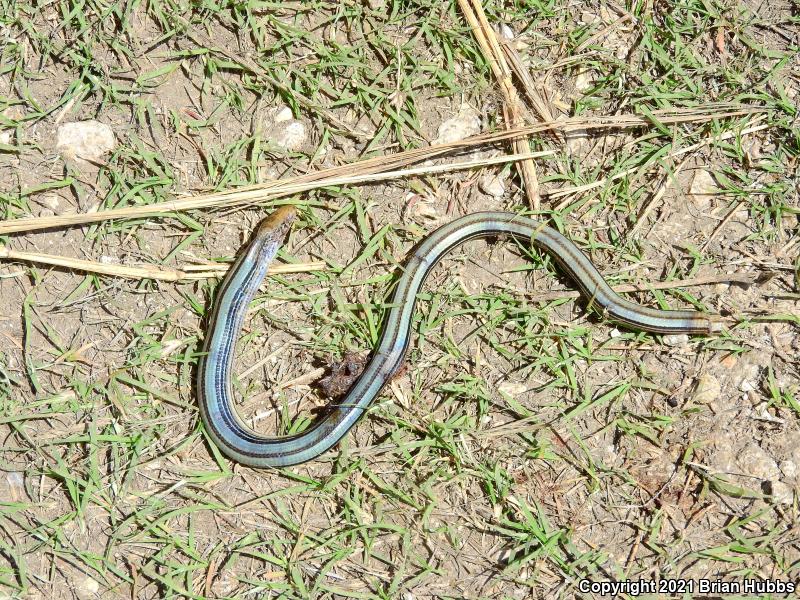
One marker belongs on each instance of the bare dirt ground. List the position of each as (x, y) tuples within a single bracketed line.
[(528, 444)]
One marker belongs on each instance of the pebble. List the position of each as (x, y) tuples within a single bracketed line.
[(421, 207), (675, 339), (720, 289), (791, 91), (761, 413), (745, 371), (512, 388), (747, 386), (225, 583), (288, 135), (703, 188), (587, 18), (283, 130), (506, 32), (782, 493), (465, 124), (13, 113), (170, 346), (577, 141), (88, 588), (708, 389), (504, 555), (283, 114), (51, 201), (584, 81), (755, 462), (85, 141), (788, 468), (493, 185)]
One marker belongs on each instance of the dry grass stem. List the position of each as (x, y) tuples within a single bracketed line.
[(512, 107), (571, 191), (160, 273), (375, 169), (526, 82)]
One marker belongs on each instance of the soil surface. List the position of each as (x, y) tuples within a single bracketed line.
[(527, 444)]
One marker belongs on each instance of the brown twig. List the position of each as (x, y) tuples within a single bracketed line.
[(487, 40)]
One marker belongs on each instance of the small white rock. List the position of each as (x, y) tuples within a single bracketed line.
[(703, 186), (282, 113), (225, 583), (512, 388), (675, 339), (761, 413), (425, 210), (747, 386), (51, 201), (506, 32), (782, 493), (466, 123), (493, 185), (577, 141), (88, 588), (584, 81), (788, 468), (288, 135), (615, 333), (13, 113), (91, 585), (5, 136), (707, 390), (85, 141), (505, 554), (720, 289), (754, 461), (587, 18), (170, 346), (792, 91)]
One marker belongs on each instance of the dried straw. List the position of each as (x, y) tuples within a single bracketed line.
[(512, 107), (160, 273), (380, 168)]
